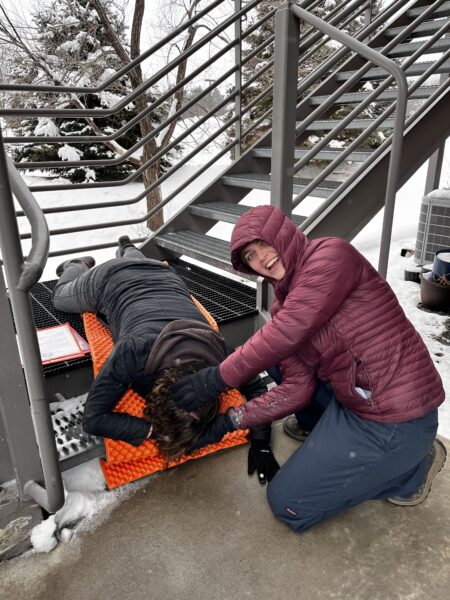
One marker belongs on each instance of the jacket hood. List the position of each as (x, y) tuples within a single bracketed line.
[(272, 226)]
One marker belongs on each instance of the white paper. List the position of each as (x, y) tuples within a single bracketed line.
[(58, 343)]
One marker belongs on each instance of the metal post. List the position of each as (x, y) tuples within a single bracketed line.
[(436, 159), (238, 79), (434, 170), (284, 107), (399, 122), (14, 403), (368, 14), (368, 18), (52, 496)]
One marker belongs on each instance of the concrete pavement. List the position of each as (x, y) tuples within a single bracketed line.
[(204, 531)]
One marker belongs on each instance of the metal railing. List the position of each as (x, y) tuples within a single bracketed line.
[(21, 276), (341, 15), (282, 169)]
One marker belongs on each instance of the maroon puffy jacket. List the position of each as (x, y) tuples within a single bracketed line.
[(336, 319)]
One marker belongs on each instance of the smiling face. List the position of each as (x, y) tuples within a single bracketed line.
[(263, 259)]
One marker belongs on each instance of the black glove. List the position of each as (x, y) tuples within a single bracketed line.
[(194, 390), (221, 425), (261, 459)]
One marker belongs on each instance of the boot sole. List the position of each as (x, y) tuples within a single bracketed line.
[(435, 468)]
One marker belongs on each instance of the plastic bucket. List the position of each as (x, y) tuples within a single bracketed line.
[(441, 267)]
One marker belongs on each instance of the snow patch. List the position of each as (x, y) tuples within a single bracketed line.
[(69, 153), (46, 127), (43, 536)]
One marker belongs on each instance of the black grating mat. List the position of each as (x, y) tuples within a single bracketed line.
[(225, 299)]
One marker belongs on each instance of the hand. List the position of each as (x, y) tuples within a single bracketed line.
[(261, 459), (221, 425), (194, 390)]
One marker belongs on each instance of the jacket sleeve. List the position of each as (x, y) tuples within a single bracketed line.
[(294, 393), (328, 276), (107, 389)]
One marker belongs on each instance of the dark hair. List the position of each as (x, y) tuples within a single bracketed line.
[(175, 431)]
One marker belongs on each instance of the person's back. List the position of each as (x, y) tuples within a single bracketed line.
[(141, 297)]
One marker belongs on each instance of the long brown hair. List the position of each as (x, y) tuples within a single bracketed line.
[(175, 431)]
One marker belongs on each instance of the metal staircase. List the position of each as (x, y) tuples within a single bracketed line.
[(302, 153), (352, 203)]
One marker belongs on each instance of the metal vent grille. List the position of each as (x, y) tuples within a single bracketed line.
[(70, 438), (433, 232)]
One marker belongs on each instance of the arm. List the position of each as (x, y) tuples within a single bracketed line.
[(328, 276), (298, 384), (107, 389)]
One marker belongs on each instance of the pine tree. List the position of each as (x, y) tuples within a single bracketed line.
[(71, 48)]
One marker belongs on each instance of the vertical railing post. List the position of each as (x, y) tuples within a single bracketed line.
[(285, 75), (368, 14), (368, 18), (238, 80), (52, 496), (14, 402), (437, 158)]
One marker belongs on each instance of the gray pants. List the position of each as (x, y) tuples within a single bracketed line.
[(78, 288)]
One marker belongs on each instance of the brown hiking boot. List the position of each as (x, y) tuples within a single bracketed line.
[(292, 428), (436, 457)]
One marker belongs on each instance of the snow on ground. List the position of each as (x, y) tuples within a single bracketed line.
[(87, 501)]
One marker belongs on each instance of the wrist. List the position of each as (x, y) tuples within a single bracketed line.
[(234, 417)]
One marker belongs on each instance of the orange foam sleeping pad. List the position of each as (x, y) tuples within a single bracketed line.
[(124, 462)]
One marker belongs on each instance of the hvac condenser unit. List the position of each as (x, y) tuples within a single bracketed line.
[(433, 232)]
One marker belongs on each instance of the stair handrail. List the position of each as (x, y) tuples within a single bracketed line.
[(125, 202), (374, 125), (355, 78), (133, 200), (331, 61), (334, 197), (34, 264), (280, 168), (20, 278), (156, 103)]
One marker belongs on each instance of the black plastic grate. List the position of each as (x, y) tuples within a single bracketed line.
[(225, 299), (46, 315)]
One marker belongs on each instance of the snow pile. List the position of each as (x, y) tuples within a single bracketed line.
[(86, 506)]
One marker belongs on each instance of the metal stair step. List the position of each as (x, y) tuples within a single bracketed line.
[(422, 30), (229, 213), (408, 49), (442, 11), (325, 154), (201, 247), (262, 182), (386, 96), (412, 71), (356, 124)]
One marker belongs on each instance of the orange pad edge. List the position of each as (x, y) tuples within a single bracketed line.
[(125, 463)]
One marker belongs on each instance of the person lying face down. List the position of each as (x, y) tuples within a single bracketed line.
[(155, 326)]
